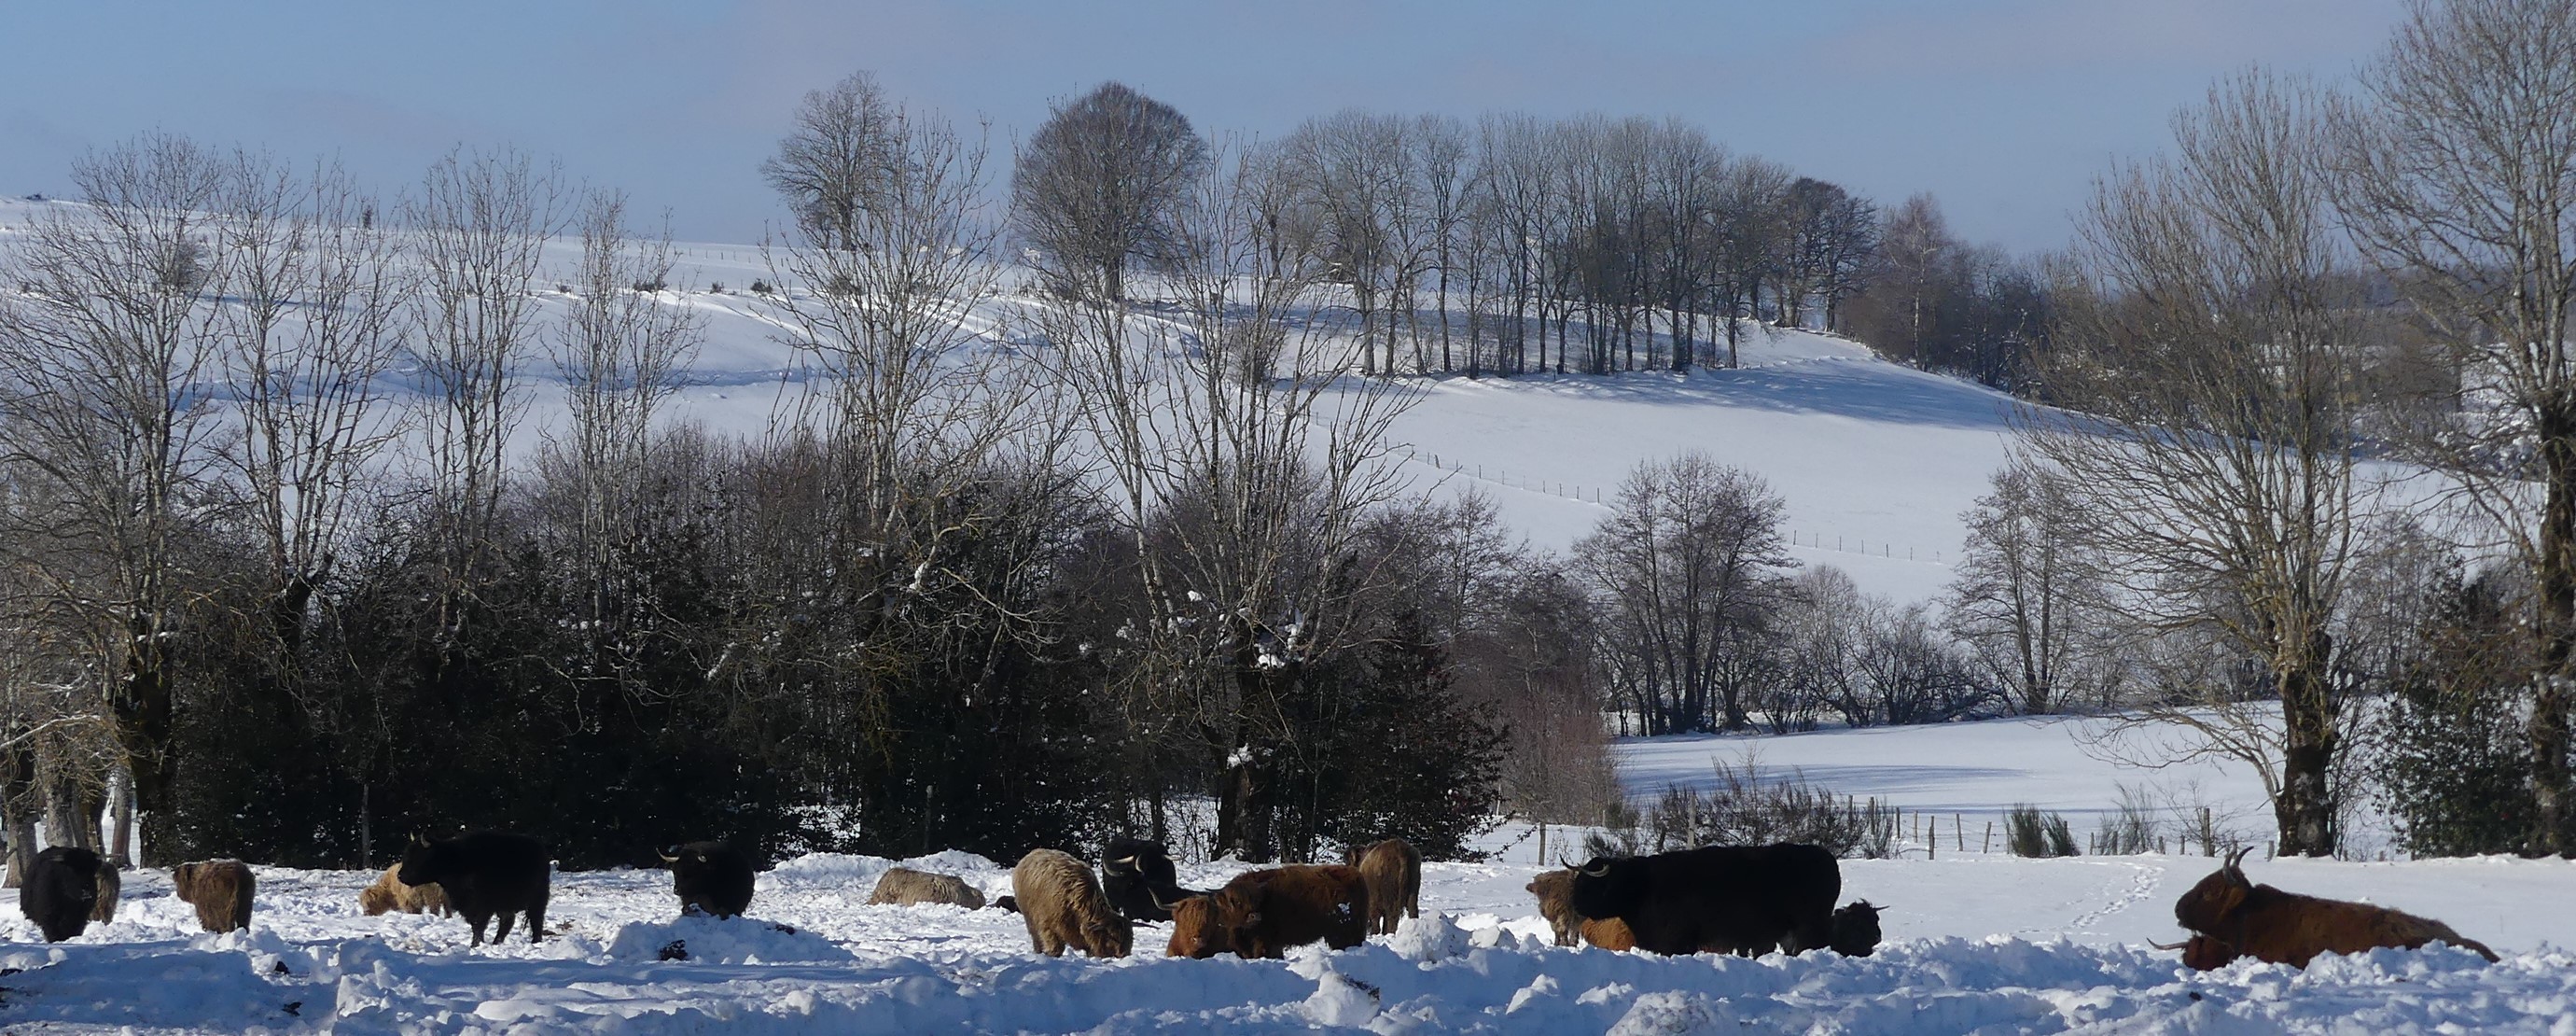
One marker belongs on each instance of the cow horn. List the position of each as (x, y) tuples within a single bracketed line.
[(1602, 872), (667, 855), (2236, 860), (1128, 860), (2169, 945), (1157, 895)]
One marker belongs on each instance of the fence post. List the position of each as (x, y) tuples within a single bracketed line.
[(1957, 827), (1932, 845), (1989, 847)]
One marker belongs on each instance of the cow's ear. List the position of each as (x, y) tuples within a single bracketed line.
[(1251, 919)]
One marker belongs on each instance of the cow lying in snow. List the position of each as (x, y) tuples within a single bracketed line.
[(904, 886), (389, 894), (710, 878), (2231, 917)]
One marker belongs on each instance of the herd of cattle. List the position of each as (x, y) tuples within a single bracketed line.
[(1746, 900)]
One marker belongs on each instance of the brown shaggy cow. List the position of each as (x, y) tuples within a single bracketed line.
[(219, 889), (1609, 934), (1061, 902), (1265, 912), (1393, 871), (110, 886), (1195, 932), (390, 894), (2232, 917), (904, 886), (1555, 892)]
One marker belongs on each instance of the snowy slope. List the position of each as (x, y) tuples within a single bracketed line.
[(1875, 460)]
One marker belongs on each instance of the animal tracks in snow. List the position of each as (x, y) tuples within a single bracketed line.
[(2143, 880)]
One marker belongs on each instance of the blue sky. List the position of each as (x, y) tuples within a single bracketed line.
[(2005, 109)]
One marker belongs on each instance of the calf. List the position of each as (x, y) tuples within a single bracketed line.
[(1741, 899), (2230, 917), (1555, 892), (903, 886), (483, 874), (1393, 871), (60, 890), (1062, 905), (390, 894), (1612, 934), (220, 890), (1262, 913), (710, 877)]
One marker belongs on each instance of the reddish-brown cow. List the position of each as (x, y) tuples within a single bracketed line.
[(2230, 917)]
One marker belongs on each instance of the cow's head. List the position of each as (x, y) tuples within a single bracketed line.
[(423, 861), (1195, 931), (1609, 886), (1109, 936), (2210, 905), (1238, 909), (1855, 931), (1137, 857)]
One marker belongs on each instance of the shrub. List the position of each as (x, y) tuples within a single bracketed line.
[(1746, 807), (2129, 831), (761, 288), (716, 288), (2030, 832)]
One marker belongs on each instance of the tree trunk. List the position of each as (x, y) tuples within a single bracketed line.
[(120, 791), (2306, 807), (2557, 671)]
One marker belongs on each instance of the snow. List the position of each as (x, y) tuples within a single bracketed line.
[(1975, 943)]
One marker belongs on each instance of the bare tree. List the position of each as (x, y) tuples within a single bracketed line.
[(2459, 177), (1095, 188), (478, 230), (1688, 567), (1235, 416), (834, 159), (104, 416), (2216, 468), (2027, 600)]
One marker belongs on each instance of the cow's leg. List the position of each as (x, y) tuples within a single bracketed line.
[(503, 935), (478, 921), (537, 922)]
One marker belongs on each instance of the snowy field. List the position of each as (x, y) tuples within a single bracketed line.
[(1975, 945), (1977, 942)]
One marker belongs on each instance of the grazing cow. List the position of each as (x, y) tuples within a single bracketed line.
[(60, 890), (483, 874), (1007, 904), (1393, 871), (1740, 899), (1611, 934), (111, 886), (1555, 892), (389, 894), (1063, 906), (1855, 932), (219, 889), (2233, 917), (1262, 913), (904, 886), (710, 877), (1138, 877)]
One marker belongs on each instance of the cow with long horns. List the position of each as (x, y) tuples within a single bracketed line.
[(2230, 916), (710, 878), (1746, 900), (1138, 877)]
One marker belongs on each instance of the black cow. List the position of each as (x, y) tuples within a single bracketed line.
[(1856, 929), (484, 873), (60, 890), (711, 878), (1739, 899), (1140, 880)]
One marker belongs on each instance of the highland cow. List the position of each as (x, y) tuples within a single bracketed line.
[(1855, 931), (484, 874), (710, 878), (111, 887), (1063, 906), (2230, 917), (221, 891), (1393, 871), (903, 886), (60, 890), (1611, 934), (390, 894), (1138, 877), (1740, 899), (1262, 913), (1555, 892)]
